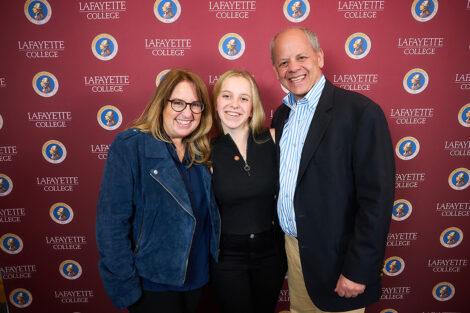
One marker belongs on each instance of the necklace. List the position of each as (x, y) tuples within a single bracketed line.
[(247, 168)]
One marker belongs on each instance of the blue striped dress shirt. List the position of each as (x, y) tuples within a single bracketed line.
[(291, 145)]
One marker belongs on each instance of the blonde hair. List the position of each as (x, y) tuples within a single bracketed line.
[(258, 117), (151, 119)]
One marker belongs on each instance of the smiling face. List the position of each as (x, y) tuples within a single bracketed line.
[(297, 65), (235, 103), (178, 125)]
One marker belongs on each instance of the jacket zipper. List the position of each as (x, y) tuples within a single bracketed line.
[(140, 232), (194, 228)]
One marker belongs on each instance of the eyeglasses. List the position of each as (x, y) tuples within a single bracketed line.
[(179, 105)]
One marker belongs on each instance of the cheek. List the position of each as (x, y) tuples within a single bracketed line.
[(249, 108), (220, 106), (197, 119)]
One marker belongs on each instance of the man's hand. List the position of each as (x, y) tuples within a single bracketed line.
[(347, 288)]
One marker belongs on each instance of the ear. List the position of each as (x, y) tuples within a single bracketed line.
[(320, 58), (275, 71)]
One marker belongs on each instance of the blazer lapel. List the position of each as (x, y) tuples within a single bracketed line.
[(318, 127), (281, 119)]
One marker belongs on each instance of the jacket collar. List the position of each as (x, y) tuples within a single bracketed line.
[(165, 172), (154, 148)]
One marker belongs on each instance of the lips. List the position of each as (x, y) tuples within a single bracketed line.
[(297, 79), (232, 114), (183, 123)]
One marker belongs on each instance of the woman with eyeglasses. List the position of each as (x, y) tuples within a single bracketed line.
[(252, 264), (157, 222)]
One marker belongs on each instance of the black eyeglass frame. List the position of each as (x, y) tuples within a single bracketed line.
[(186, 104)]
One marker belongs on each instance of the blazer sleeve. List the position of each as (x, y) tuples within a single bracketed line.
[(374, 178), (113, 228)]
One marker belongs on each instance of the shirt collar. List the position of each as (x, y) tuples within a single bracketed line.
[(292, 103)]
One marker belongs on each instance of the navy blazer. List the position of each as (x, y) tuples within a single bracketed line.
[(344, 196), (145, 223)]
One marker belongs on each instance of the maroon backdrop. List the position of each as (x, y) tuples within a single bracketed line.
[(66, 64)]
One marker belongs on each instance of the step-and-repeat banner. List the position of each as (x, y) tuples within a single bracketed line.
[(75, 73)]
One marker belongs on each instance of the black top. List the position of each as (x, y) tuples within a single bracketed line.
[(246, 195)]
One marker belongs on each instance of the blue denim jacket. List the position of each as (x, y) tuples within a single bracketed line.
[(144, 223)]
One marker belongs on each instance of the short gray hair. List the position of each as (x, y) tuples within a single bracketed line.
[(311, 36)]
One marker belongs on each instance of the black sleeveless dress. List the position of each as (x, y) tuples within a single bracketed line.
[(252, 265)]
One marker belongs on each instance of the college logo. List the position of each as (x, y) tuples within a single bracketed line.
[(230, 10), (37, 12), (45, 84), (463, 79), (167, 11), (42, 119), (296, 11), (11, 243), (35, 49), (401, 210), (420, 45), (407, 148), (20, 297), (54, 151), (6, 185), (451, 237), (160, 77), (231, 46), (459, 178), (424, 10), (58, 183), (393, 266), (104, 47), (443, 291), (356, 82), (70, 269), (61, 213), (109, 117), (107, 83), (389, 311), (360, 9), (464, 115), (102, 10), (415, 81), (357, 46)]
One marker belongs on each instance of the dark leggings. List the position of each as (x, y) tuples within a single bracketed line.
[(167, 301), (249, 274)]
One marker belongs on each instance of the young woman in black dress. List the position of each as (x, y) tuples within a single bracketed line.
[(251, 267)]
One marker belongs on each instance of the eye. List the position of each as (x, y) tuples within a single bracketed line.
[(283, 64), (245, 99), (196, 104), (178, 102), (225, 96)]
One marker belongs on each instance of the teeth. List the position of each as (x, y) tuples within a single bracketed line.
[(183, 122), (233, 114), (297, 79)]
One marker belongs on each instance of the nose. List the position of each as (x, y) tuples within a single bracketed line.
[(234, 103), (187, 111), (293, 66)]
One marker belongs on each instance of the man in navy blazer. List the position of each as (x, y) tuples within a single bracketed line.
[(336, 182)]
